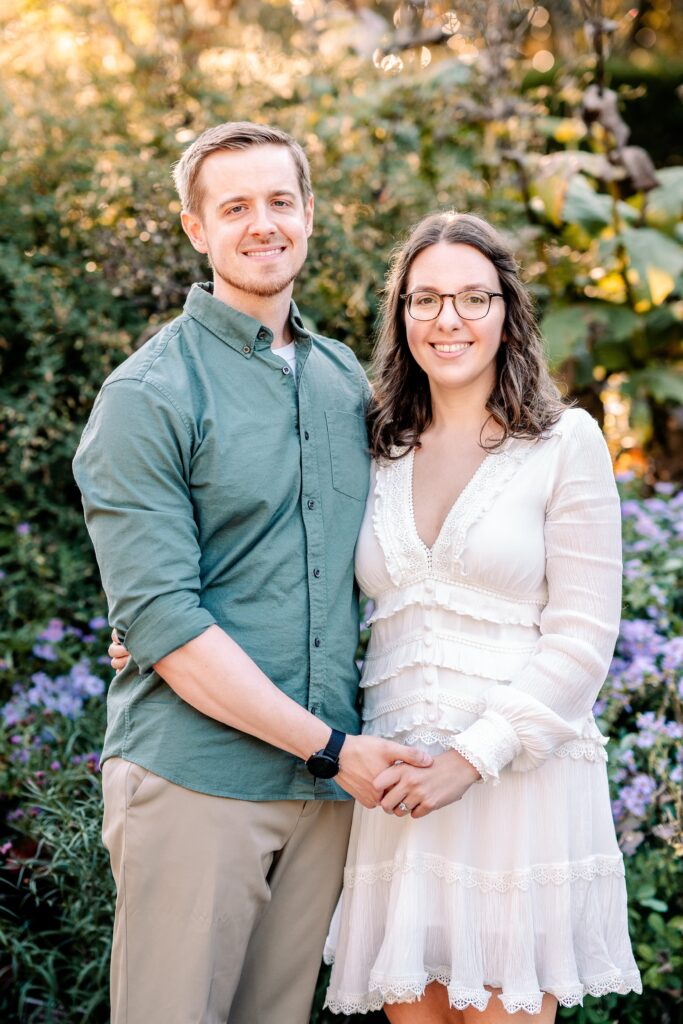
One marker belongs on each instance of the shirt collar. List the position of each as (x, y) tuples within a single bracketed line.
[(241, 332)]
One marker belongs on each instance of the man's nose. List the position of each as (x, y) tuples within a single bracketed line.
[(262, 220)]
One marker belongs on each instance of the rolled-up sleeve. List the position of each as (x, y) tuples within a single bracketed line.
[(132, 467), (549, 702)]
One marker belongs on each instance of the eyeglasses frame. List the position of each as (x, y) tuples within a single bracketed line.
[(453, 296)]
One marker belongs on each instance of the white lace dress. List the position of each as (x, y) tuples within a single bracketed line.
[(495, 642)]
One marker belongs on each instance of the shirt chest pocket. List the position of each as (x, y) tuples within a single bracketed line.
[(349, 457)]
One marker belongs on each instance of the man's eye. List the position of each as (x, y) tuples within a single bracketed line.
[(234, 209), (282, 202)]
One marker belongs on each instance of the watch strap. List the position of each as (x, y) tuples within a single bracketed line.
[(334, 744)]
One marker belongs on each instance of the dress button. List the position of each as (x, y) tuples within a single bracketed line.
[(246, 349), (311, 503), (429, 588), (316, 642), (428, 639), (432, 716), (316, 573), (286, 370)]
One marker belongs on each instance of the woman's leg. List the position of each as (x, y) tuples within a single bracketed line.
[(432, 1008), (495, 1012)]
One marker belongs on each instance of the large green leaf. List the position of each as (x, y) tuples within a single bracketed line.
[(602, 328), (664, 209), (663, 382), (655, 261), (591, 210)]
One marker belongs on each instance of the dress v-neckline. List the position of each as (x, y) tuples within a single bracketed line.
[(452, 510)]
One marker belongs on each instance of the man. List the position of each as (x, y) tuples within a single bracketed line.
[(226, 550)]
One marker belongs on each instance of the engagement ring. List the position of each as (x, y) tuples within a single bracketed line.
[(402, 806)]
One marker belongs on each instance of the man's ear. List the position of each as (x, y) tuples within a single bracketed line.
[(308, 214), (193, 228)]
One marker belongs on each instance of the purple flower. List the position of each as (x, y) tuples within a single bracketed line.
[(98, 623), (637, 796), (54, 632), (673, 654), (45, 651), (665, 488), (55, 766), (23, 529)]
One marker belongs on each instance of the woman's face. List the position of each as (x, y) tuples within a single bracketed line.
[(454, 352)]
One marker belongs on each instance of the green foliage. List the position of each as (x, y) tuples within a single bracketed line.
[(96, 102)]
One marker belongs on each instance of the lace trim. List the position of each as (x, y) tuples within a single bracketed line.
[(459, 997), (473, 760), (476, 499), (586, 870), (446, 737), (419, 697), (493, 742), (505, 649), (493, 665), (459, 596), (406, 556), (587, 750)]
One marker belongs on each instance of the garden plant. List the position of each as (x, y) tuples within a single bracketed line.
[(542, 118)]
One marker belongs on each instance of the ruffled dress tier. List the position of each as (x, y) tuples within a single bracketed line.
[(494, 642)]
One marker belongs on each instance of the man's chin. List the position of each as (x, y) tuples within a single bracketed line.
[(261, 289)]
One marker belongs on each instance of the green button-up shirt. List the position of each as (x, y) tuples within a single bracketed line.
[(219, 488)]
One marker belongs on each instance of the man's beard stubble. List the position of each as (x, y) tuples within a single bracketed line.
[(266, 290)]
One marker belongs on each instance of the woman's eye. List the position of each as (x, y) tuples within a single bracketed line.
[(425, 300), (473, 298)]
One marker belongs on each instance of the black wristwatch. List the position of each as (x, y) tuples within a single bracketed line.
[(324, 764)]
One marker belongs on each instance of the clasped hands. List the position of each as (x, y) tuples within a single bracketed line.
[(418, 791)]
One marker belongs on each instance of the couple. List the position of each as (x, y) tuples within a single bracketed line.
[(483, 881)]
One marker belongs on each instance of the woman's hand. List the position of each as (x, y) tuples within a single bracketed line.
[(423, 790), (117, 652)]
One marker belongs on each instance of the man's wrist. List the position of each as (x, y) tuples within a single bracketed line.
[(324, 763)]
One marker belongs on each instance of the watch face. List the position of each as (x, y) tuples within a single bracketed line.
[(322, 767)]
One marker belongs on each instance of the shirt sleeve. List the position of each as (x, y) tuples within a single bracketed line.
[(548, 703), (132, 467)]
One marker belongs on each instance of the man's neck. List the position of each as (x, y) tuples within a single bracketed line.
[(272, 311)]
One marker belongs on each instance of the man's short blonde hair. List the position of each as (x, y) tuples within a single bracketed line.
[(233, 135)]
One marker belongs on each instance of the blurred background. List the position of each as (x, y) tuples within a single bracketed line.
[(563, 124)]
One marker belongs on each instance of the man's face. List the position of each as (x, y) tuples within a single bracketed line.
[(253, 223)]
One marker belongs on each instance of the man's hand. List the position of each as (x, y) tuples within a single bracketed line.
[(426, 789), (365, 758), (117, 652)]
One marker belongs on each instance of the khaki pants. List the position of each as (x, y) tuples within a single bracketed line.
[(222, 905)]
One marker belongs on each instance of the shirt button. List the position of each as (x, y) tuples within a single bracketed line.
[(306, 435), (262, 334), (311, 503), (286, 370), (316, 642), (246, 349), (316, 573)]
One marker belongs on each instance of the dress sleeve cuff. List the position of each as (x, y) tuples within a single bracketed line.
[(489, 744)]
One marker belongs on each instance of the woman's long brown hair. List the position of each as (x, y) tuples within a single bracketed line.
[(524, 402)]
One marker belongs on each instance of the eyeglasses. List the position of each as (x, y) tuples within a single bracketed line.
[(470, 305)]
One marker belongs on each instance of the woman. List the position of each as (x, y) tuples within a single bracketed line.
[(491, 549)]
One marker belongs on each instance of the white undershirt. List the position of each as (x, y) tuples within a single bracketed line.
[(288, 353)]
